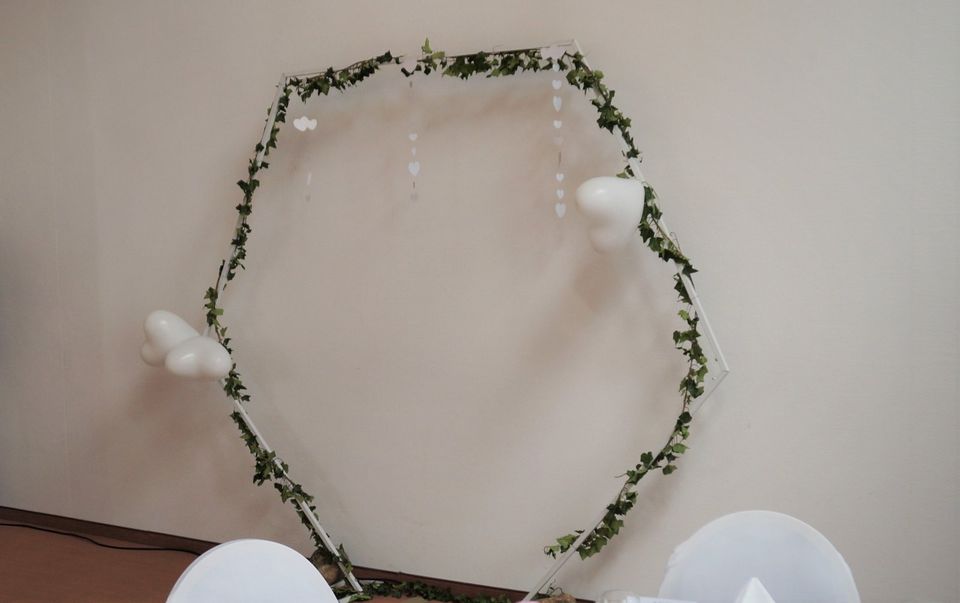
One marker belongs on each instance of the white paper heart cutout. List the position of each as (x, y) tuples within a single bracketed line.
[(613, 207), (172, 342), (414, 168), (560, 193), (412, 136), (560, 176), (557, 84), (304, 123), (560, 209), (557, 103), (557, 124)]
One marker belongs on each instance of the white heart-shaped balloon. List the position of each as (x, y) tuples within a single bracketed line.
[(613, 208), (199, 358), (164, 331)]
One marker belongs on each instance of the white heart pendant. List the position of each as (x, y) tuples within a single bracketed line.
[(557, 103), (560, 176), (414, 168), (304, 123), (560, 193), (412, 136), (557, 84), (557, 124), (560, 209)]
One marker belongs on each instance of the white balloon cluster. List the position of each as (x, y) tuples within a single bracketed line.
[(613, 207), (173, 343)]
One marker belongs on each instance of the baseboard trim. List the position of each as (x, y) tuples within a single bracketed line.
[(105, 530), (160, 540)]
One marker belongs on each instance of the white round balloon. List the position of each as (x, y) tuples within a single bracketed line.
[(164, 331), (613, 207), (173, 343), (199, 358)]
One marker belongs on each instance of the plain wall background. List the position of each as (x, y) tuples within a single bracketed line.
[(459, 378)]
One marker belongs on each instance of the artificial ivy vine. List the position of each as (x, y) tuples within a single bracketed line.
[(270, 468), (415, 589)]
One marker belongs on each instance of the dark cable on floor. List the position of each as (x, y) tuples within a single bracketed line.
[(103, 544)]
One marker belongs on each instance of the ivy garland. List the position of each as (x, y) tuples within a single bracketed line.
[(270, 468), (408, 590)]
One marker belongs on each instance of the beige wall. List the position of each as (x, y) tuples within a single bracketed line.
[(460, 378)]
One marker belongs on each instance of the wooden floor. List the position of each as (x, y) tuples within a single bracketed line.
[(37, 566), (43, 567)]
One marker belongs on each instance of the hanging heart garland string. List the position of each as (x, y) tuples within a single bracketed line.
[(270, 468)]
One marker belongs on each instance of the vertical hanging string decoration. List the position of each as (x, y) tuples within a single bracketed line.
[(303, 124), (413, 165), (554, 53)]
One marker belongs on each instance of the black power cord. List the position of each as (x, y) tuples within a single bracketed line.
[(103, 544)]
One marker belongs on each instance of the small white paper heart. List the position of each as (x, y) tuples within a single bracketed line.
[(412, 136), (560, 209), (560, 176), (557, 124), (557, 103), (560, 193), (414, 168), (557, 84), (556, 67), (558, 140), (553, 52), (304, 123)]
